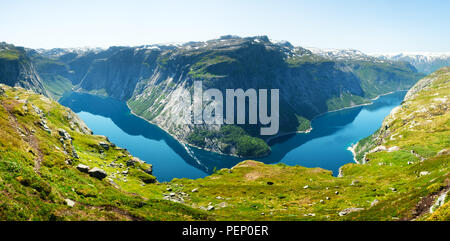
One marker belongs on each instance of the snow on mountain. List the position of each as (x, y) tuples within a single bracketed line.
[(425, 62)]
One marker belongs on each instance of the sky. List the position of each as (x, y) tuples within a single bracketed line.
[(372, 26)]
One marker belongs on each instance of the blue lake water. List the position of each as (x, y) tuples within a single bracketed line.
[(325, 146)]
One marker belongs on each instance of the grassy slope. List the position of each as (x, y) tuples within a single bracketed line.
[(35, 178), (393, 178), (249, 191)]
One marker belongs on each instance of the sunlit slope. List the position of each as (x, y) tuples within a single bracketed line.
[(405, 174), (41, 145)]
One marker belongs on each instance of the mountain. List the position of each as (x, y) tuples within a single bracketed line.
[(151, 77), (424, 62), (403, 173), (16, 69), (53, 168)]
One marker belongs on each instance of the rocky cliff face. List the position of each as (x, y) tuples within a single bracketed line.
[(152, 79), (16, 69)]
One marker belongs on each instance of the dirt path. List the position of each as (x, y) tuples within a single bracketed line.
[(28, 137)]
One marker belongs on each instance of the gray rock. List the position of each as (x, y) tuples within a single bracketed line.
[(210, 208), (64, 134), (374, 202), (69, 202), (104, 145), (83, 168), (349, 210), (424, 173), (97, 173)]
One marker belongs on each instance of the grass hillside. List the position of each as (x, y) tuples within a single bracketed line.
[(405, 175), (42, 143)]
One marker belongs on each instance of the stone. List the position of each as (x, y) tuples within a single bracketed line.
[(83, 168), (69, 202), (195, 190), (349, 210), (424, 173), (104, 145), (64, 134), (374, 202), (210, 208), (97, 173), (306, 187), (149, 170)]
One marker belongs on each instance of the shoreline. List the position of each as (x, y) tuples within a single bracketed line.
[(352, 149), (186, 145)]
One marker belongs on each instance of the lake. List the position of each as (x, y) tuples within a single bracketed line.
[(325, 146)]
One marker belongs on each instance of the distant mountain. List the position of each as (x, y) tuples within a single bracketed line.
[(16, 69), (150, 77), (424, 62)]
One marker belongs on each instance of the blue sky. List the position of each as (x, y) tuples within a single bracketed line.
[(367, 25)]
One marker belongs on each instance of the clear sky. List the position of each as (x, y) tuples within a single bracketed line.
[(367, 25)]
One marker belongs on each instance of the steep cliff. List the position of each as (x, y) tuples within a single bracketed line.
[(153, 78), (16, 69)]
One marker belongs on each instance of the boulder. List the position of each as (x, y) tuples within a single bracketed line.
[(97, 173), (83, 168), (149, 170), (69, 202), (349, 210), (424, 173), (64, 134), (104, 145), (133, 162)]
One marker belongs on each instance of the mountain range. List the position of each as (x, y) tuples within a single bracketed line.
[(150, 78)]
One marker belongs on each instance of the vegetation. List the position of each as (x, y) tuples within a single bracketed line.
[(231, 136), (38, 174)]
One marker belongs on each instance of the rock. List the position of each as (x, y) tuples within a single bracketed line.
[(424, 173), (97, 173), (337, 192), (306, 187), (69, 202), (327, 198), (168, 189), (74, 153), (393, 189), (104, 145), (223, 205), (349, 210), (149, 170), (195, 190), (374, 202), (83, 168), (321, 201), (354, 182), (64, 134), (270, 183), (172, 194), (210, 208), (133, 161), (219, 198), (443, 152), (394, 148)]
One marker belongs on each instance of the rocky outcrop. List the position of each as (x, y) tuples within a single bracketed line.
[(17, 70)]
